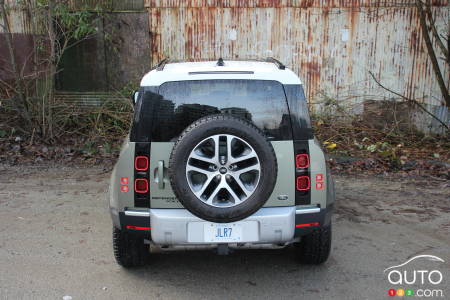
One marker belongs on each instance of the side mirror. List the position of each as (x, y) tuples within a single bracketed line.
[(134, 97)]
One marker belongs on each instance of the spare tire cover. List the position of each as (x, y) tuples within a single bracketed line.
[(222, 168)]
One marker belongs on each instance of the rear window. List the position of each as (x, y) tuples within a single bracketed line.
[(178, 104)]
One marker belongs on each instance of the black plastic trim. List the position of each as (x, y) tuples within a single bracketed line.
[(301, 123), (142, 200), (160, 66), (220, 62), (278, 63), (134, 221), (302, 197), (302, 133), (142, 119), (323, 218)]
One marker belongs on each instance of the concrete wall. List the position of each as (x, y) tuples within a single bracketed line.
[(116, 57)]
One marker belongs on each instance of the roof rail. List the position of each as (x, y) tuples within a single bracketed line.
[(160, 66), (278, 63)]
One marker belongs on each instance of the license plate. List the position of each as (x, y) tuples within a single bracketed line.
[(222, 233)]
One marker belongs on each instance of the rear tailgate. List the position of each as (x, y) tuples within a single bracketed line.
[(162, 196)]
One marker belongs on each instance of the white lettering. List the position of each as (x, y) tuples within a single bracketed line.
[(399, 281), (435, 272), (429, 293), (406, 278), (422, 272)]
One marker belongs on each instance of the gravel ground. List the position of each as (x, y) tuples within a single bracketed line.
[(55, 241)]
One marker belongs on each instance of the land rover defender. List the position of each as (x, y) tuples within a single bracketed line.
[(221, 154)]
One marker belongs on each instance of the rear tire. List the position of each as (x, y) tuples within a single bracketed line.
[(314, 248), (129, 249), (222, 125)]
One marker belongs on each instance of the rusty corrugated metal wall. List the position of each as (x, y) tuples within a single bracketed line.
[(25, 32), (331, 44)]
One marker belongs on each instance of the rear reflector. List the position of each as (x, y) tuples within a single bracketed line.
[(302, 161), (138, 228), (123, 180), (141, 163), (141, 185), (124, 188), (307, 225), (303, 183)]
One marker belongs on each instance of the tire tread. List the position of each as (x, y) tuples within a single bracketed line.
[(129, 250), (315, 247)]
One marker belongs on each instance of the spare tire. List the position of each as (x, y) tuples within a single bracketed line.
[(222, 168)]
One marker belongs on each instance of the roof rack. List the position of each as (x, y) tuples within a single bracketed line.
[(278, 63), (220, 62), (160, 66)]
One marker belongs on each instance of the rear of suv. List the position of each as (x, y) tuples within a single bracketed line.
[(221, 154)]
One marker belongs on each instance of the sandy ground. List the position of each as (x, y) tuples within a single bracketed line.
[(55, 241)]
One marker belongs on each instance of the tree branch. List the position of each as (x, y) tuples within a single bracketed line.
[(18, 81), (415, 102), (432, 54), (435, 32)]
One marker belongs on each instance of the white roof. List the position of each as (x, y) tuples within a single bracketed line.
[(256, 70)]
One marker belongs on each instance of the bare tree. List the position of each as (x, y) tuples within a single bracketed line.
[(21, 105), (56, 29), (428, 26)]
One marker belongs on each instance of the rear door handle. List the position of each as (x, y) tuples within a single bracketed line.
[(161, 174)]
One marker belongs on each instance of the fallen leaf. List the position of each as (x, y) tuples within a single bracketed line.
[(331, 146)]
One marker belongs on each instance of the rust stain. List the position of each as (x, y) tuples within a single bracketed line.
[(285, 3), (330, 44)]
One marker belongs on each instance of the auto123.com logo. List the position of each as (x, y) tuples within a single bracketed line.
[(406, 278)]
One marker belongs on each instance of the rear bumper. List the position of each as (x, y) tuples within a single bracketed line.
[(171, 226), (271, 225)]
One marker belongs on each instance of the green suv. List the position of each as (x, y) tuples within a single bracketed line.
[(221, 155)]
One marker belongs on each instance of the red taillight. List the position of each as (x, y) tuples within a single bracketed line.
[(141, 163), (141, 185), (307, 225), (302, 161), (124, 188), (303, 183), (138, 228)]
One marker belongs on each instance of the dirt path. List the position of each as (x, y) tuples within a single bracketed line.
[(55, 240)]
